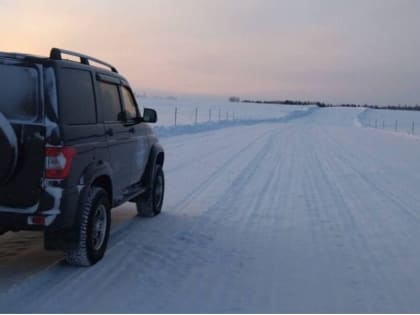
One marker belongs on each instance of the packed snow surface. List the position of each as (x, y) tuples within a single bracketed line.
[(308, 214)]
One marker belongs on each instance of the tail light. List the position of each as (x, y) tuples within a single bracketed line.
[(58, 162)]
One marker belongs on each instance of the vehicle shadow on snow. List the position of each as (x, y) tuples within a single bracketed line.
[(24, 264), (22, 254), (135, 242)]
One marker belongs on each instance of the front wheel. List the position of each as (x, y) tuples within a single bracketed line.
[(151, 204), (93, 229)]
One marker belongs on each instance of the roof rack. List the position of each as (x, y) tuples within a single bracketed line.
[(12, 55), (56, 54)]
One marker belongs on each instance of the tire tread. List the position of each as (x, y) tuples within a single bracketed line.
[(79, 256)]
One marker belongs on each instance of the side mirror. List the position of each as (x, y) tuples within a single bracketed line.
[(149, 115)]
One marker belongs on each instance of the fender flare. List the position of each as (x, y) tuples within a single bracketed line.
[(92, 173), (95, 170), (156, 157)]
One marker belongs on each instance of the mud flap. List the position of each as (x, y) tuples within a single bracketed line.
[(60, 240)]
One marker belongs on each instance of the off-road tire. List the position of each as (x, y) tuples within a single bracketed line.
[(85, 253), (150, 204)]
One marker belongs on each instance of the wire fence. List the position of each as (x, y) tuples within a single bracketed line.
[(404, 126), (200, 115)]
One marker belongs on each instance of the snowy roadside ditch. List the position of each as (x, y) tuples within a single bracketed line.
[(170, 131)]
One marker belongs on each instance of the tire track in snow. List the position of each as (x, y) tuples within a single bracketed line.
[(393, 195), (218, 172), (197, 190), (340, 222), (385, 231), (200, 228), (205, 224), (261, 219), (228, 208)]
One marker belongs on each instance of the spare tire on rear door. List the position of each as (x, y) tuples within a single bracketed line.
[(8, 149)]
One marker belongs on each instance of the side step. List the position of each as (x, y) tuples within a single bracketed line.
[(131, 193)]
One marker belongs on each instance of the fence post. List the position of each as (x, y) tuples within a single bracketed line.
[(227, 115), (233, 115), (210, 114), (175, 115), (376, 124), (396, 125), (196, 115), (383, 124), (412, 128)]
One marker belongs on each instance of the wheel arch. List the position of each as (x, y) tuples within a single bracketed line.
[(104, 181), (156, 157), (99, 175), (160, 159)]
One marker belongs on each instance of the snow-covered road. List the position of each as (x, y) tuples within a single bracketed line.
[(311, 215)]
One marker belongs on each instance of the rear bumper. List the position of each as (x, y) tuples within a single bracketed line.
[(16, 222), (56, 210)]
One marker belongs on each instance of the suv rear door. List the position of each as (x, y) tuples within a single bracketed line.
[(21, 95)]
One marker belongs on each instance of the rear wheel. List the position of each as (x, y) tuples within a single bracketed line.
[(93, 229), (151, 204)]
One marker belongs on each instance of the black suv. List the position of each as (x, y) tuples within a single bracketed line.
[(73, 145)]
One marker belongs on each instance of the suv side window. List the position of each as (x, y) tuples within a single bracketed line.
[(109, 98), (76, 95), (129, 104)]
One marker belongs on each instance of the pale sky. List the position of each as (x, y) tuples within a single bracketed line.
[(335, 51)]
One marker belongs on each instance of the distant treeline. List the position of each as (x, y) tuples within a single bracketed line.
[(287, 102), (391, 107), (321, 104)]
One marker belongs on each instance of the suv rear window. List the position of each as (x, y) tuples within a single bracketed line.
[(76, 97), (19, 92)]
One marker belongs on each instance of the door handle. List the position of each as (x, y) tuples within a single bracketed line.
[(109, 132)]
